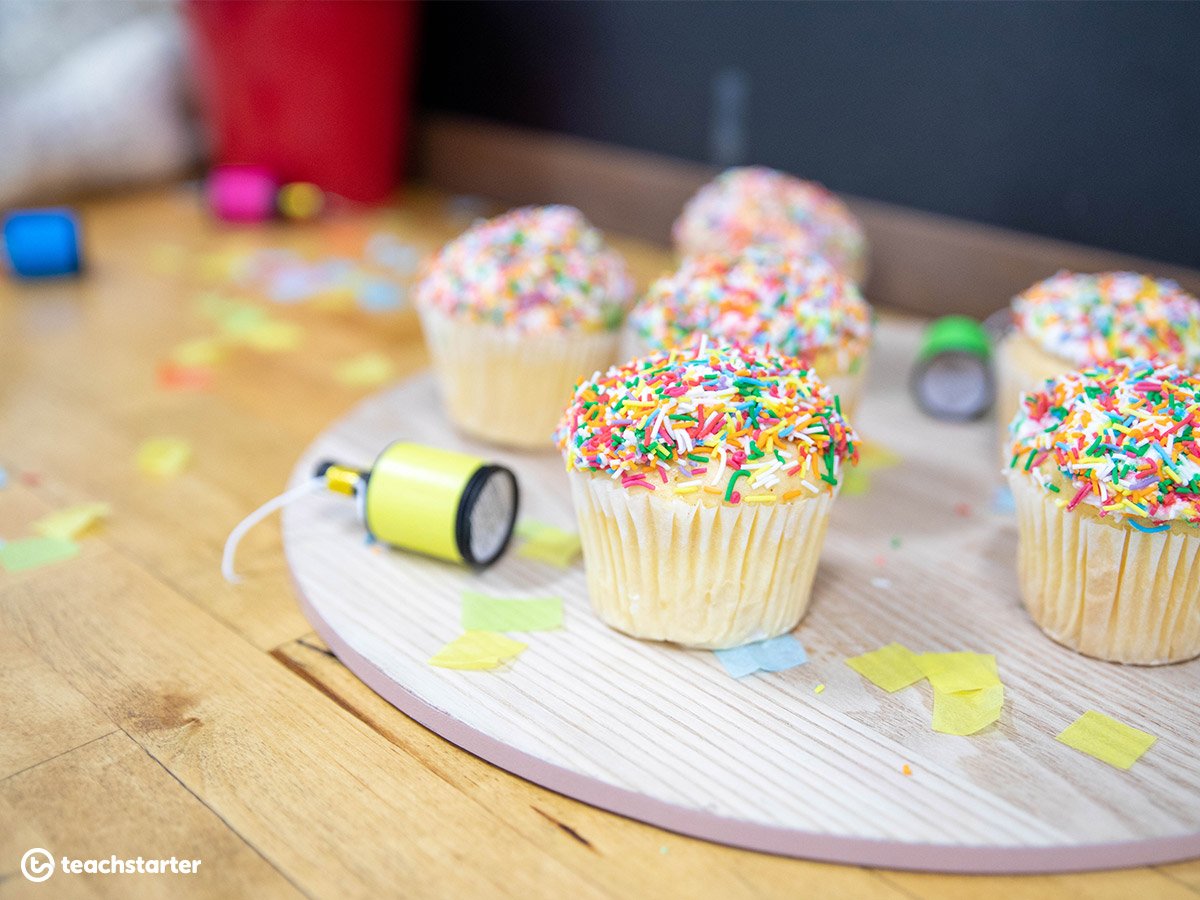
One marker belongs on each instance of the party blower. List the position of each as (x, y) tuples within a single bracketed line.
[(440, 503)]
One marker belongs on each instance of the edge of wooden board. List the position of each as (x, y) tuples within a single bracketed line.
[(919, 857)]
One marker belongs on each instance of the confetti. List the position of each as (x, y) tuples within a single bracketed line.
[(174, 377), (3, 478), (819, 689), (32, 553), (365, 370), (1003, 502), (967, 712), (547, 544), (906, 769), (272, 336), (773, 655), (953, 672), (477, 650), (199, 352), (164, 456), (483, 613), (892, 667), (70, 523), (1106, 739)]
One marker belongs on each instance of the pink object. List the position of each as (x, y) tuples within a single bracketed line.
[(241, 193)]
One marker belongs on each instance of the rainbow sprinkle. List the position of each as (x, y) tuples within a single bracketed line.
[(1091, 318), (534, 269), (730, 423), (1118, 436), (797, 305), (757, 205)]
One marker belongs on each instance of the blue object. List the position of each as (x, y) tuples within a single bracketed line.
[(773, 655), (42, 243)]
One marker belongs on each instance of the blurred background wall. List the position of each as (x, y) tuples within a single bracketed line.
[(1074, 120)]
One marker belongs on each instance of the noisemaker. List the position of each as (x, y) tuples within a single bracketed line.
[(440, 503)]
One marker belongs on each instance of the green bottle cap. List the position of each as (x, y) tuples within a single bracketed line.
[(952, 379), (955, 334)]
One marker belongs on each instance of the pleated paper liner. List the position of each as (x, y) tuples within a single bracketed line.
[(666, 568), (507, 387), (1104, 588)]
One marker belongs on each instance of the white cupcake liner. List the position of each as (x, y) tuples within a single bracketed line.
[(1104, 588), (714, 576), (507, 387)]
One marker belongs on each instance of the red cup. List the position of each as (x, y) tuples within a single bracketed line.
[(315, 91)]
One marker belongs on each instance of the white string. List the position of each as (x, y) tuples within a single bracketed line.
[(239, 532)]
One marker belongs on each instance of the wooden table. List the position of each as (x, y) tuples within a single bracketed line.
[(152, 709)]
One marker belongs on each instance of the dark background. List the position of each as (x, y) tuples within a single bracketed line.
[(1074, 120)]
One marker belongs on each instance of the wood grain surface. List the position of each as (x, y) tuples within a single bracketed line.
[(150, 708), (920, 558)]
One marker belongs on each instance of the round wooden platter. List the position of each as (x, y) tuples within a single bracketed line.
[(664, 735)]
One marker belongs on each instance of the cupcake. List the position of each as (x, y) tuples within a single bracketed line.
[(515, 311), (1071, 321), (703, 478), (766, 296), (757, 205), (1105, 472)]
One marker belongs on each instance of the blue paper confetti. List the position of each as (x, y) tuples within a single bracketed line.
[(773, 655), (3, 478), (1002, 501), (380, 296)]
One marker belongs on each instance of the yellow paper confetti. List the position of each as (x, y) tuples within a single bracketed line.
[(547, 544), (892, 667), (199, 352), (70, 523), (1107, 739), (955, 672), (477, 650), (872, 457), (164, 456), (15, 556), (272, 336), (364, 370), (966, 712), (819, 689)]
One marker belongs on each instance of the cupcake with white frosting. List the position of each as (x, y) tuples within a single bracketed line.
[(1074, 320), (515, 311), (754, 205), (767, 297), (703, 478), (1105, 472)]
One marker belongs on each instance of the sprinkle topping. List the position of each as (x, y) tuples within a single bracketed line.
[(1090, 318), (725, 424), (797, 305), (757, 205), (1118, 436), (536, 269)]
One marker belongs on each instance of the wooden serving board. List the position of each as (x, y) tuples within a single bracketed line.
[(664, 735)]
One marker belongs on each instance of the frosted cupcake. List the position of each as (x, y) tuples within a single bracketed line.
[(1105, 471), (1070, 321), (703, 479), (796, 305), (515, 311), (756, 205)]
